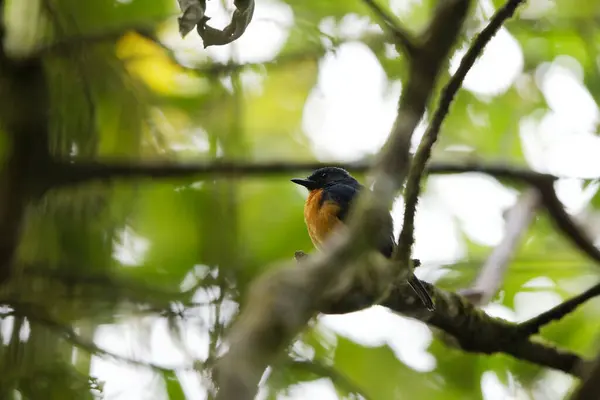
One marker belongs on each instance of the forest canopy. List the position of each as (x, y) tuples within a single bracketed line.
[(152, 245)]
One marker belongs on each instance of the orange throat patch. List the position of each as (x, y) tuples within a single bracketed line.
[(321, 219)]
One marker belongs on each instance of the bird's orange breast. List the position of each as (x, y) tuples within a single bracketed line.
[(321, 218)]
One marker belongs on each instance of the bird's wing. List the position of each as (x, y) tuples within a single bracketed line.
[(342, 195)]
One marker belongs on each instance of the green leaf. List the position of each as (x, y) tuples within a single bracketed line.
[(76, 17), (315, 10), (461, 372), (595, 202), (168, 219), (173, 386), (273, 207), (378, 372)]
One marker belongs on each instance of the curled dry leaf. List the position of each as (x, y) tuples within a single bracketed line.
[(194, 14)]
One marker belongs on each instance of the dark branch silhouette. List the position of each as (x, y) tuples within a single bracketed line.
[(413, 183), (533, 326)]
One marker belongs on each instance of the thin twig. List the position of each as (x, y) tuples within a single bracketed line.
[(532, 326), (37, 315), (565, 223), (401, 36), (492, 273), (413, 184)]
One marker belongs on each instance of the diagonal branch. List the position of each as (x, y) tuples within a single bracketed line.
[(492, 273), (390, 23), (406, 238), (565, 223), (37, 315), (463, 325), (282, 301), (533, 326), (544, 183)]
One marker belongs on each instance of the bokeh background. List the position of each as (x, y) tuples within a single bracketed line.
[(156, 268)]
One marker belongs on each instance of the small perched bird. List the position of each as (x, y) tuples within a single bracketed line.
[(331, 192)]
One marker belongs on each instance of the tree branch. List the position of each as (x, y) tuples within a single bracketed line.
[(413, 183), (67, 173), (492, 273), (544, 183), (36, 315), (63, 173), (58, 174), (23, 116), (463, 325), (390, 23), (590, 387), (533, 326), (282, 301), (565, 224)]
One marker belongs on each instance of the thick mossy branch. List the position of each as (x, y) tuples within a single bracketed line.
[(466, 326)]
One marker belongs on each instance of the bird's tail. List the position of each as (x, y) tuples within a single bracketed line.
[(421, 292)]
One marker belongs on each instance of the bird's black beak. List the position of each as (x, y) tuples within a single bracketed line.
[(307, 183)]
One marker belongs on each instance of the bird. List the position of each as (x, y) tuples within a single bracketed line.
[(332, 191)]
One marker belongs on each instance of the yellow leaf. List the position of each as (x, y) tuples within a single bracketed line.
[(148, 61)]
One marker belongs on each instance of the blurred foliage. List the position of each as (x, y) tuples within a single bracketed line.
[(129, 254)]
